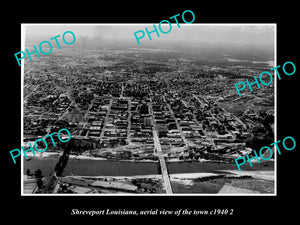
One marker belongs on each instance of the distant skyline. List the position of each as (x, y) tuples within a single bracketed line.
[(261, 36)]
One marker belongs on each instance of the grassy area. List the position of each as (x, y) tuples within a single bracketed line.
[(262, 186), (214, 184)]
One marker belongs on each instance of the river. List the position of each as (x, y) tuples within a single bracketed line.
[(90, 167), (268, 62)]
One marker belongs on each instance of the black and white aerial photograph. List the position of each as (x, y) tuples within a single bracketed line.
[(162, 117)]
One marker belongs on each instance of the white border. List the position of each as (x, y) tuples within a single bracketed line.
[(22, 102), (23, 31), (275, 105)]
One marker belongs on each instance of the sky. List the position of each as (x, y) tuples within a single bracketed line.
[(191, 34)]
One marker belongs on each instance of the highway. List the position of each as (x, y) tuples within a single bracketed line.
[(163, 166), (162, 161)]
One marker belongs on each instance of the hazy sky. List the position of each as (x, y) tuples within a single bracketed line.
[(242, 34)]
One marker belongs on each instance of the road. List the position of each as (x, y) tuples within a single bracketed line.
[(128, 121), (207, 135), (177, 122), (106, 118), (163, 166), (159, 152)]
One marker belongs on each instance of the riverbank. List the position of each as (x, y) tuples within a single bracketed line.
[(79, 157), (222, 183), (114, 176)]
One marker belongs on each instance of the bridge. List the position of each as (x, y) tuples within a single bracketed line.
[(163, 166), (159, 153)]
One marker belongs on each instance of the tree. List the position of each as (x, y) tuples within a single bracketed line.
[(40, 183), (38, 173), (28, 173), (191, 155)]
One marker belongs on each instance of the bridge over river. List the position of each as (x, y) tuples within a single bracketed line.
[(163, 166)]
